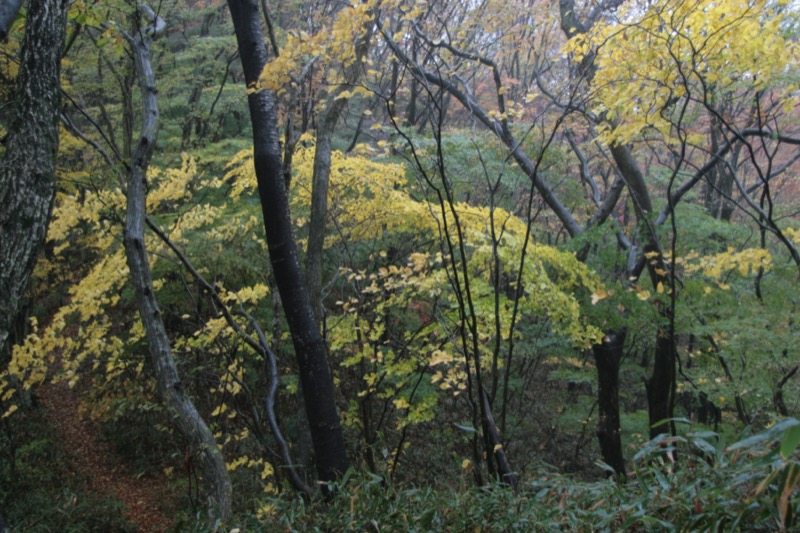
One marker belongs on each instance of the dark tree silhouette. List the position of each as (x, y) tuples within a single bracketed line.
[(310, 349)]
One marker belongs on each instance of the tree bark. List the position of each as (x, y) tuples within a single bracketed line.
[(186, 416), (607, 357), (28, 168), (310, 350)]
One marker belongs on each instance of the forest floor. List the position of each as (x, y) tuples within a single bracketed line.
[(96, 462)]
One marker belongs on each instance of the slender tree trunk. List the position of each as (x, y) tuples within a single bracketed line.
[(186, 416), (777, 397), (322, 174), (310, 350), (319, 208), (505, 473), (607, 357), (411, 108), (28, 167), (719, 184)]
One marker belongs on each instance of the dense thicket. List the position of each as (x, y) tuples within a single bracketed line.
[(532, 261)]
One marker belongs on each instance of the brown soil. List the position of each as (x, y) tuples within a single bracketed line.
[(95, 461)]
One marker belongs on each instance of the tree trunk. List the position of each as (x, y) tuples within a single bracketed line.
[(607, 357), (322, 174), (661, 387), (310, 350), (411, 108), (719, 184), (319, 207), (504, 471), (27, 171), (777, 397), (189, 422)]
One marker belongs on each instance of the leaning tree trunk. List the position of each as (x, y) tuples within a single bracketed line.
[(28, 168), (189, 422), (607, 357), (310, 349)]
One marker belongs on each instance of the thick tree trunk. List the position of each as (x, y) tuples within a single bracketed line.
[(28, 168), (189, 422), (310, 350), (607, 357)]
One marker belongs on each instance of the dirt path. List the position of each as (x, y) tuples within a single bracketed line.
[(94, 459)]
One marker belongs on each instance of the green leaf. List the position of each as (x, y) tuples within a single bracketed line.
[(791, 438)]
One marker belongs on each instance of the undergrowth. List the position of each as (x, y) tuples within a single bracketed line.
[(690, 483), (39, 489)]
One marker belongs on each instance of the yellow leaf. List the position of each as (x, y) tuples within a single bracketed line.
[(440, 357), (599, 295), (401, 403)]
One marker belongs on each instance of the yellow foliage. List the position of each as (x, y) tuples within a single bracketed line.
[(715, 266), (80, 335), (332, 49), (650, 58)]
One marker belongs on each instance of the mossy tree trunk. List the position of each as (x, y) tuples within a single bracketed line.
[(28, 167)]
